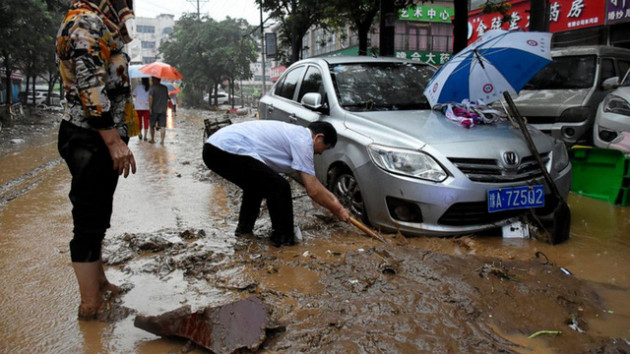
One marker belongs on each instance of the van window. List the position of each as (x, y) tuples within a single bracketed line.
[(566, 72), (623, 67), (608, 69)]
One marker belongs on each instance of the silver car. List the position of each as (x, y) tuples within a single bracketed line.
[(401, 166), (612, 121)]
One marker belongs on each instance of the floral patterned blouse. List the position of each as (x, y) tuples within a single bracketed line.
[(94, 70)]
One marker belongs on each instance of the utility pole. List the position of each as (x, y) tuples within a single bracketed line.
[(198, 12), (262, 48)]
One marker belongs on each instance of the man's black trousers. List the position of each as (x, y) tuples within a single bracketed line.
[(258, 182)]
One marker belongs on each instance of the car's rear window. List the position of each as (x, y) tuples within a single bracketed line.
[(381, 86), (566, 72)]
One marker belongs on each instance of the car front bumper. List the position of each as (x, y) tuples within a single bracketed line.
[(452, 207)]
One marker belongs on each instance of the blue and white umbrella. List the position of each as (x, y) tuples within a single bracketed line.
[(135, 73), (497, 62)]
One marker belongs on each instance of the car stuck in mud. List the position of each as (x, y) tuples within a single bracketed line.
[(401, 166)]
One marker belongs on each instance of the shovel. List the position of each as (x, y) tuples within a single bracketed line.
[(561, 214), (365, 229)]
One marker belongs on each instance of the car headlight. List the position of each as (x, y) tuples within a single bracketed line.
[(407, 162), (616, 104), (560, 156)]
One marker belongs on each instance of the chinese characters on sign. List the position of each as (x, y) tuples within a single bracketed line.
[(564, 15), (435, 58), (617, 11), (427, 13)]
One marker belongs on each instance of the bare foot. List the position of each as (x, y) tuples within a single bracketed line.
[(89, 308), (107, 286)]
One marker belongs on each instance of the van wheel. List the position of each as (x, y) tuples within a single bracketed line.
[(345, 187)]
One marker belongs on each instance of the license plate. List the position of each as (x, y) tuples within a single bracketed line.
[(511, 198)]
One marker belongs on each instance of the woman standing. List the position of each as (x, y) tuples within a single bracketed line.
[(93, 135)]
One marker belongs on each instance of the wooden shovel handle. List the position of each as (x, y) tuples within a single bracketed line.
[(365, 229)]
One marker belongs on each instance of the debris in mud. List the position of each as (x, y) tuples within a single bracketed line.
[(151, 243), (499, 271), (239, 281), (230, 328), (191, 234)]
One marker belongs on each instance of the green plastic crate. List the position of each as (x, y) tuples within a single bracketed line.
[(601, 173)]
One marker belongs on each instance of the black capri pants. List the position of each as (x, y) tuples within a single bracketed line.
[(92, 191)]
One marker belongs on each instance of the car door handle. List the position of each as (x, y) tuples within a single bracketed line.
[(293, 118), (270, 109)]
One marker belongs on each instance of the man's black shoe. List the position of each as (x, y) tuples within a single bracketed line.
[(279, 244), (240, 232)]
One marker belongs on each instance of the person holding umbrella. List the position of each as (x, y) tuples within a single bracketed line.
[(158, 103), (93, 135), (141, 104)]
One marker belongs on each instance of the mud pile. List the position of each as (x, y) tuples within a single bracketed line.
[(339, 292)]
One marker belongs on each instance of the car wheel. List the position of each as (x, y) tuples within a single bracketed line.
[(345, 187)]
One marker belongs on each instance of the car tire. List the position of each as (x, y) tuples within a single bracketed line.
[(344, 186)]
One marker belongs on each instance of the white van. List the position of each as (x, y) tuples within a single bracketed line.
[(562, 99)]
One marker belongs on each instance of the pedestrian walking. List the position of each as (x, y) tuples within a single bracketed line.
[(141, 105), (253, 154), (158, 102), (93, 135)]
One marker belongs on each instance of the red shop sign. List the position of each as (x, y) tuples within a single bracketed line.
[(564, 15)]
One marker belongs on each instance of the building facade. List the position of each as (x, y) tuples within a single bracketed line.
[(148, 34), (423, 32)]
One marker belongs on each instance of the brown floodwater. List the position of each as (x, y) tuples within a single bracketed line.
[(428, 294)]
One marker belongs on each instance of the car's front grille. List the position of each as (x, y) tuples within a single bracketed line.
[(476, 213), (490, 171)]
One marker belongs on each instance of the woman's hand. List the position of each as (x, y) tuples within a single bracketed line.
[(119, 151)]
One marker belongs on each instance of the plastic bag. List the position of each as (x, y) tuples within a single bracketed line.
[(132, 120)]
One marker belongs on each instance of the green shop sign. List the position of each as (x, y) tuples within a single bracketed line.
[(435, 58), (426, 13)]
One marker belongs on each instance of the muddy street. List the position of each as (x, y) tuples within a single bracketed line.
[(172, 244)]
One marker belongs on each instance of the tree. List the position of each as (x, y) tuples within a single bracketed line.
[(361, 14), (20, 20), (296, 17), (538, 16), (460, 26), (206, 52)]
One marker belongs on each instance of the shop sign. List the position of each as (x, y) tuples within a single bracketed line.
[(564, 15), (617, 11), (567, 15), (479, 23), (276, 71), (435, 58), (427, 13)]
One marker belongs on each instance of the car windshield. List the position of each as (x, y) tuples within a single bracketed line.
[(567, 72), (381, 86)]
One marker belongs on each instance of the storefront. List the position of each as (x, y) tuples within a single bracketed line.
[(16, 81), (573, 22)]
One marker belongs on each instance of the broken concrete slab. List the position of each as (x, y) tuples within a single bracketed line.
[(222, 329)]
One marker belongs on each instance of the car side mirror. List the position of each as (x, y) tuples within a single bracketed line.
[(610, 83), (312, 101)]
